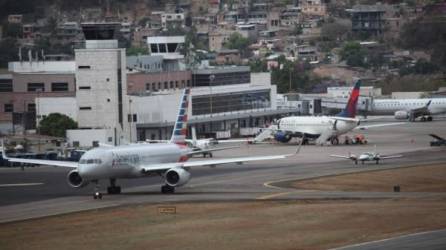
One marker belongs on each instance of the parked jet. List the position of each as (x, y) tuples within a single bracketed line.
[(439, 141), (168, 160), (409, 109), (321, 128), (203, 146), (367, 156)]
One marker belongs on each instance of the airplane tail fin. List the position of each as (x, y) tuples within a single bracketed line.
[(350, 109), (179, 132)]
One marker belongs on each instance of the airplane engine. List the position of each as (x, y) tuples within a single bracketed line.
[(401, 115), (75, 180), (282, 137), (177, 177)]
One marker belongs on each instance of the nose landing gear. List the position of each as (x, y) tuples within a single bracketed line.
[(97, 194)]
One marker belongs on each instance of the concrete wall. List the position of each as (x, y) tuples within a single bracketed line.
[(137, 81), (85, 137), (62, 105)]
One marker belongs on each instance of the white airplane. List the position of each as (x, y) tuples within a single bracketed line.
[(203, 146), (321, 128), (409, 109), (168, 160), (367, 156)]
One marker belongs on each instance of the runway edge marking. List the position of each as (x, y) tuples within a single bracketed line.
[(387, 239)]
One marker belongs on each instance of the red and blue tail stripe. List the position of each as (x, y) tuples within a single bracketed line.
[(179, 132), (350, 110)]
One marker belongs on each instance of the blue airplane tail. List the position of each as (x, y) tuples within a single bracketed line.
[(179, 132)]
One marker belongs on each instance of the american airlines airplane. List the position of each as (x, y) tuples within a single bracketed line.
[(168, 160), (409, 109), (321, 128)]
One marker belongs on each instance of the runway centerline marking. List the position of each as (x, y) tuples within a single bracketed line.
[(22, 184)]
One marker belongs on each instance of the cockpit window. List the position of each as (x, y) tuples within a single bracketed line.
[(90, 161)]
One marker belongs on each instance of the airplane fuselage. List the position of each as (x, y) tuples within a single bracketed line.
[(390, 106), (316, 125), (125, 161)]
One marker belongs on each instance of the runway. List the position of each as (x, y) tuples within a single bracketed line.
[(43, 191)]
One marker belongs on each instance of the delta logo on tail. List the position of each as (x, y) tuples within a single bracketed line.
[(180, 128), (350, 110)]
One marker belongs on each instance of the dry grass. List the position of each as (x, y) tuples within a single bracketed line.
[(414, 179), (242, 225)]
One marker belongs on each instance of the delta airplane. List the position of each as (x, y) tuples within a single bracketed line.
[(168, 160), (321, 128), (409, 109)]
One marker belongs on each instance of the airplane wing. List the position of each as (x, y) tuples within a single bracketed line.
[(66, 164), (390, 156), (157, 141), (379, 125), (211, 150), (344, 157), (437, 137), (423, 110), (189, 164)]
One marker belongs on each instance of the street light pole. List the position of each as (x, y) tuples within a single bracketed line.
[(211, 79), (37, 117)]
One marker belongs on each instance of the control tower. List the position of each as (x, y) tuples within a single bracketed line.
[(101, 83)]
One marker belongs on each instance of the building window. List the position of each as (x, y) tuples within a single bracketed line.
[(154, 86), (135, 118), (162, 47), (83, 67), (171, 84), (84, 87), (166, 85), (176, 84), (153, 48), (84, 108), (31, 107), (5, 85), (9, 108), (59, 86), (36, 86), (148, 86)]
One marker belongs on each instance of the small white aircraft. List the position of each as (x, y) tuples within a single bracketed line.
[(168, 160), (367, 156)]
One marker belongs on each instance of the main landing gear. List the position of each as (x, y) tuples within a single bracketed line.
[(113, 189), (166, 189), (334, 140), (426, 118)]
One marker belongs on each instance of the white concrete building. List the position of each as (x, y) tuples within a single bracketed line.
[(102, 84)]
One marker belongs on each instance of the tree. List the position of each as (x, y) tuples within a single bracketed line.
[(354, 54), (8, 51), (56, 124), (134, 51), (237, 41)]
